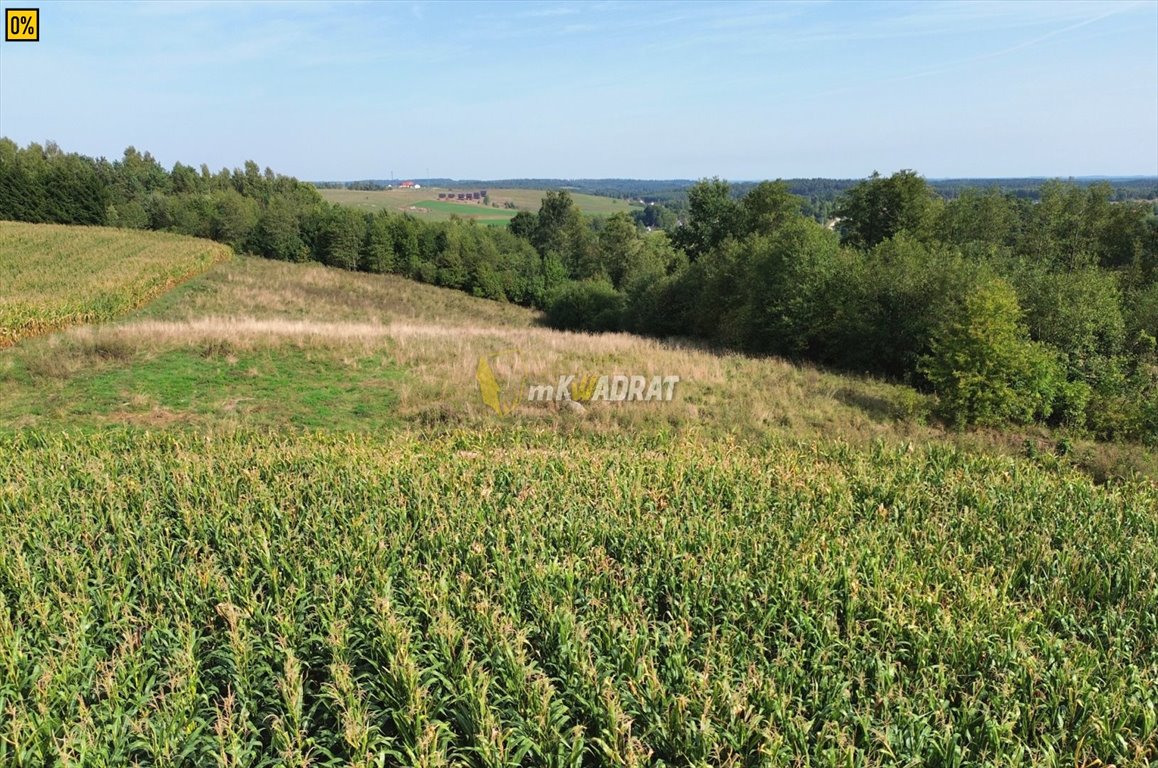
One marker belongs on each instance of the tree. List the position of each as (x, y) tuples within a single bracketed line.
[(560, 229), (523, 224), (656, 216), (977, 216), (785, 280), (713, 216), (278, 233), (878, 208), (72, 192), (377, 253), (983, 366), (184, 179), (589, 305), (234, 217), (1078, 313), (901, 292), (651, 260), (136, 174), (618, 242), (404, 237), (767, 207), (555, 212), (450, 261), (340, 237)]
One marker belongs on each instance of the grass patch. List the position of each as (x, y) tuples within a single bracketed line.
[(263, 289), (436, 336), (480, 213), (275, 386)]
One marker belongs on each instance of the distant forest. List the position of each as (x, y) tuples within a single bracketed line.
[(1013, 305)]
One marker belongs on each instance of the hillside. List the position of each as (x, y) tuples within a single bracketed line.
[(424, 203), (244, 315), (269, 516)]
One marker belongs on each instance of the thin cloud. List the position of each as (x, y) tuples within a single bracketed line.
[(970, 61), (545, 13)]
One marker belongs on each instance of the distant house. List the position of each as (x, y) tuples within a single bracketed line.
[(408, 185)]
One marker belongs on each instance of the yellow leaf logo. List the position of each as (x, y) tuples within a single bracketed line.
[(583, 388), (492, 391)]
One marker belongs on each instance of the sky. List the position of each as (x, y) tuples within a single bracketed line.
[(657, 90)]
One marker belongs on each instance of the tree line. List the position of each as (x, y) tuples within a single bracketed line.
[(259, 212), (1010, 309)]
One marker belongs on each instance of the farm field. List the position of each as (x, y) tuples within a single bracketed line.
[(436, 209), (523, 199), (266, 519), (55, 276), (485, 598)]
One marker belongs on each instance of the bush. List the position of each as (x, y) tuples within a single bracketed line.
[(589, 305), (786, 287), (983, 365), (666, 307), (1070, 403), (1123, 400), (892, 300), (1078, 313)]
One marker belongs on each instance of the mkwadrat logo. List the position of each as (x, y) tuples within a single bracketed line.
[(502, 389)]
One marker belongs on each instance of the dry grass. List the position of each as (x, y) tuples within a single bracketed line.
[(247, 330), (262, 289), (437, 337)]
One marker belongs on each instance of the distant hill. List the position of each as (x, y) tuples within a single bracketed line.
[(818, 189), (621, 188)]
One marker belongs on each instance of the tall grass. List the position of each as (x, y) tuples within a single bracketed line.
[(520, 598)]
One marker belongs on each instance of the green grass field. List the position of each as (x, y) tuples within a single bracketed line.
[(267, 520), (402, 200), (480, 213)]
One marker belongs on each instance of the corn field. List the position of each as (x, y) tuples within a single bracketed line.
[(55, 276), (523, 599)]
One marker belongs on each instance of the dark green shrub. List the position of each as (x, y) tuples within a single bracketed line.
[(589, 305), (983, 365)]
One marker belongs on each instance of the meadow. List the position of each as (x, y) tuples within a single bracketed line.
[(523, 200), (483, 214), (266, 519)]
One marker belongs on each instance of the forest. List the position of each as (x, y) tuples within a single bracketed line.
[(1012, 308)]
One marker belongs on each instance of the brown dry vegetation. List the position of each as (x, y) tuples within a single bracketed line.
[(263, 289), (437, 336)]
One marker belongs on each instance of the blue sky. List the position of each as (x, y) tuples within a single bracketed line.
[(597, 89)]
